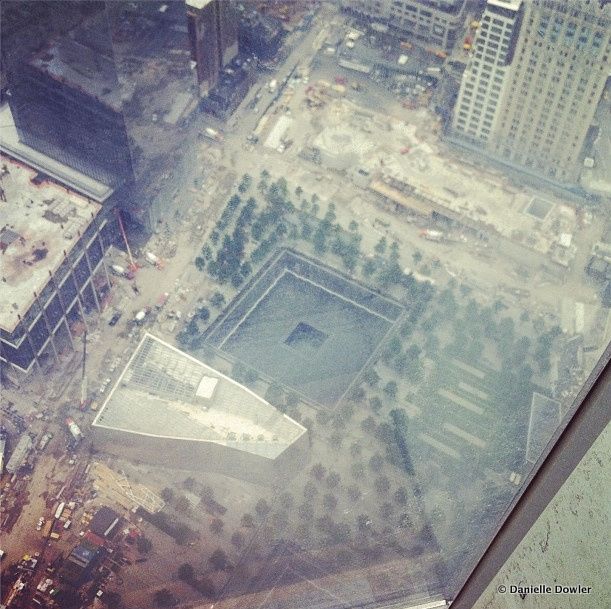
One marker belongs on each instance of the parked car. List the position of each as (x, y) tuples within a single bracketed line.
[(115, 318)]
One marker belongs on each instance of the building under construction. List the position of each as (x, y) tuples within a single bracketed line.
[(52, 246)]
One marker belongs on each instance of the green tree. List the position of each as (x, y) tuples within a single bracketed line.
[(237, 539), (217, 300), (394, 252), (369, 267), (375, 404), (306, 512), (358, 470), (393, 348), (376, 462), (363, 522), (186, 572), (310, 491), (306, 231), (382, 485), (274, 394), (417, 256), (354, 492), (167, 494), (368, 425), (357, 394), (216, 526), (262, 508), (380, 247), (144, 544), (329, 501), (248, 521), (164, 598), (319, 241), (355, 449), (524, 316), (333, 479), (371, 377), (390, 389), (318, 471), (391, 274), (219, 560), (183, 505), (204, 586), (353, 226), (111, 599), (207, 493), (400, 496), (386, 510)]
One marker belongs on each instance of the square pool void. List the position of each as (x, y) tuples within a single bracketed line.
[(539, 208), (304, 337), (304, 325)]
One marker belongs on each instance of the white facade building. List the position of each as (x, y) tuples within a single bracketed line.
[(536, 74)]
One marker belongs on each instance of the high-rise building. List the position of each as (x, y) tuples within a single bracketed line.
[(66, 102), (95, 87), (535, 76), (213, 34), (434, 22)]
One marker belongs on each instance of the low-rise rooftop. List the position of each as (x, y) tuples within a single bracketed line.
[(39, 221), (166, 393)]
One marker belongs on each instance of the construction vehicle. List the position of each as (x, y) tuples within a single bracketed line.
[(152, 259), (212, 134), (74, 429), (408, 46), (46, 530), (432, 235)]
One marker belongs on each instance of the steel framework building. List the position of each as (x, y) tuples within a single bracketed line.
[(53, 242)]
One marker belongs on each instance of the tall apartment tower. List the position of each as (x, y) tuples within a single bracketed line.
[(434, 22), (213, 35), (534, 79)]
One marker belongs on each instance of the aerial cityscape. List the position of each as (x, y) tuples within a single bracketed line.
[(295, 294)]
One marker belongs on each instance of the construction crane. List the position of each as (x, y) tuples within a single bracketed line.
[(132, 265), (83, 373)]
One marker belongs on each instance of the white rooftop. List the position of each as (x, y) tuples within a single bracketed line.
[(512, 5), (38, 222), (166, 393), (199, 4)]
